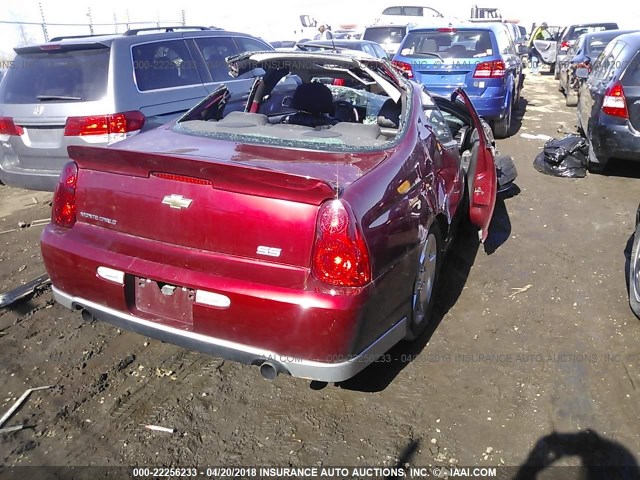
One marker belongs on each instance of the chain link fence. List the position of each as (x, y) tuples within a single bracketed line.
[(17, 33)]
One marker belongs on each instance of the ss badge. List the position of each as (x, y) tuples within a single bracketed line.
[(268, 251)]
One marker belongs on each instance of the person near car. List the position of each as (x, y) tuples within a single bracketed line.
[(325, 33), (534, 61)]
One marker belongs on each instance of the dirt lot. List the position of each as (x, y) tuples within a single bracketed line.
[(534, 344)]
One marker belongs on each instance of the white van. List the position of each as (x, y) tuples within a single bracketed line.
[(403, 14)]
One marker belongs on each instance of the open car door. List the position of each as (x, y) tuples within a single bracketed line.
[(481, 175)]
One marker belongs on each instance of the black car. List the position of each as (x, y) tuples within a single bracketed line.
[(634, 270), (371, 48), (609, 103), (570, 36), (588, 47)]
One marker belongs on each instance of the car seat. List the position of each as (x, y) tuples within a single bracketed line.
[(313, 102), (457, 49), (429, 46), (389, 114), (484, 44)]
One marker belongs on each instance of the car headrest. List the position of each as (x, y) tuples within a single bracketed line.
[(389, 114), (483, 44), (429, 46), (444, 40), (314, 98)]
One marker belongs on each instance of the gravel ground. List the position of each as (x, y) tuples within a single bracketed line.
[(534, 353)]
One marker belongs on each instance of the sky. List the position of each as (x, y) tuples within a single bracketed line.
[(271, 19)]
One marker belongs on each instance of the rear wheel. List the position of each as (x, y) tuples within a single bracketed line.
[(634, 274), (502, 127), (424, 287), (571, 98)]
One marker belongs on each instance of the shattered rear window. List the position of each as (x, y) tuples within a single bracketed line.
[(360, 133)]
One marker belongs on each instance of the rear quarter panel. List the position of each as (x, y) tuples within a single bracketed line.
[(396, 203)]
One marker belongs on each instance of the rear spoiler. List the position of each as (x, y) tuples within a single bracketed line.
[(228, 176), (60, 47)]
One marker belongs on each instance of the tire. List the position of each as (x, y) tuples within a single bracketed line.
[(555, 70), (596, 165), (425, 283), (571, 99), (506, 172), (502, 127), (634, 274)]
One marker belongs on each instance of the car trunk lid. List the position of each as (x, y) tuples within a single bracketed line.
[(255, 207)]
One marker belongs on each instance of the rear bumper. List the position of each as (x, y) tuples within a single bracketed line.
[(490, 104), (29, 179), (284, 363), (311, 332), (615, 140)]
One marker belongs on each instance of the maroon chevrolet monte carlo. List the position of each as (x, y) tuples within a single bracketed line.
[(300, 227)]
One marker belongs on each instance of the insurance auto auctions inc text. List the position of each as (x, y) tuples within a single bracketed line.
[(375, 472)]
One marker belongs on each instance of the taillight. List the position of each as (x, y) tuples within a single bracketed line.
[(614, 102), (63, 213), (340, 255), (404, 67), (565, 45), (7, 127), (493, 69), (447, 30), (339, 82), (116, 123)]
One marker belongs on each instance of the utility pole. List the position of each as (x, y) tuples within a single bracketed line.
[(128, 21), (90, 21), (44, 23), (184, 18), (115, 21)]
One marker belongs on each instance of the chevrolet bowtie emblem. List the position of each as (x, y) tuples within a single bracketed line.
[(176, 201)]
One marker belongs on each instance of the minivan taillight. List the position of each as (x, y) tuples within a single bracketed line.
[(493, 69), (404, 67), (614, 102), (7, 127), (564, 46), (63, 213), (340, 256), (114, 123)]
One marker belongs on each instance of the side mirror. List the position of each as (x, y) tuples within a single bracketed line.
[(582, 73), (287, 102)]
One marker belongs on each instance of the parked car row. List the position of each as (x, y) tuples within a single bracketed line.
[(597, 66), (550, 45), (98, 90)]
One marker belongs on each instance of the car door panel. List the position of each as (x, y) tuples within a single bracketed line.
[(547, 50), (482, 176)]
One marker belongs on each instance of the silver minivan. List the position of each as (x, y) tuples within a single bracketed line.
[(101, 89)]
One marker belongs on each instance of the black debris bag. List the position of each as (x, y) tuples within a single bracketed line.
[(563, 157)]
